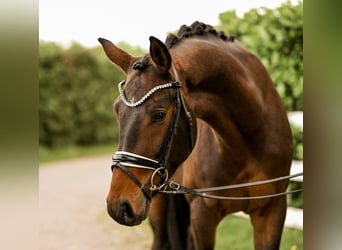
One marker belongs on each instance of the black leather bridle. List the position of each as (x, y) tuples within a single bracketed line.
[(125, 160)]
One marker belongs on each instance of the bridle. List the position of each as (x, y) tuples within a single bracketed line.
[(125, 160)]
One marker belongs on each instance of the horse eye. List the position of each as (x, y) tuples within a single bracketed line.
[(158, 116)]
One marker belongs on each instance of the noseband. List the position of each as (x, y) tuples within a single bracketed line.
[(125, 160)]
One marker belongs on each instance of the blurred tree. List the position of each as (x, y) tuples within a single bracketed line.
[(77, 88), (276, 37)]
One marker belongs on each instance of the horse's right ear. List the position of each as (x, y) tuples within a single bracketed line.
[(160, 54), (116, 55)]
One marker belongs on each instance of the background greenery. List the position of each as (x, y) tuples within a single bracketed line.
[(276, 37)]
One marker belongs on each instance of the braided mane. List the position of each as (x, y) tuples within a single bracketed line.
[(195, 29)]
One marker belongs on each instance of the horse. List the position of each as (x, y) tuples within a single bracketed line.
[(201, 110)]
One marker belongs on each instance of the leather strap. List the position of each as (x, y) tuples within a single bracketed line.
[(144, 188), (122, 156)]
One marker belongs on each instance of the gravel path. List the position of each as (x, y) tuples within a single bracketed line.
[(72, 209)]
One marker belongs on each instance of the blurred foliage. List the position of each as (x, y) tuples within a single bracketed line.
[(77, 88), (276, 37), (297, 138), (296, 199)]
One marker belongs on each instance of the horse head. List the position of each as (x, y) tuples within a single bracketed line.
[(157, 132)]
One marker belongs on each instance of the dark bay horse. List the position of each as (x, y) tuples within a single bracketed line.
[(201, 110)]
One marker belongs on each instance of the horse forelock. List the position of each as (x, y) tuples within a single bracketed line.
[(196, 29), (142, 63)]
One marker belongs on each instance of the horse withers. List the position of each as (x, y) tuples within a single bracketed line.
[(202, 110)]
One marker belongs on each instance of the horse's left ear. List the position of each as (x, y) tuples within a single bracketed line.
[(116, 55), (160, 54)]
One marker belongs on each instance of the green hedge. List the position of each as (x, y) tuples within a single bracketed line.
[(77, 89), (297, 137), (276, 37)]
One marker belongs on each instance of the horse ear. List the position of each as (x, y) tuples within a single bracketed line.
[(160, 54), (116, 55)]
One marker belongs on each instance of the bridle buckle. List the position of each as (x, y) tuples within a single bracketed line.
[(174, 185)]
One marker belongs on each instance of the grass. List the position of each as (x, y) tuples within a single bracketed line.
[(236, 233), (69, 152)]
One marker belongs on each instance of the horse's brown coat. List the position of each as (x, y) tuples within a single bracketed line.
[(243, 135)]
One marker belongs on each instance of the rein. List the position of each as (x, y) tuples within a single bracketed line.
[(179, 189)]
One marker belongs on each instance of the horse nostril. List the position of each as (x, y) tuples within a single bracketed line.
[(126, 211), (123, 213)]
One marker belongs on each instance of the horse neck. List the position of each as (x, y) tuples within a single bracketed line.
[(220, 88)]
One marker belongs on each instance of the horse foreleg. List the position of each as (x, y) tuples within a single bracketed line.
[(169, 217), (178, 222), (158, 221), (268, 224), (203, 225)]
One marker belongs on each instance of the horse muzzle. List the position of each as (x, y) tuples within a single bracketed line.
[(124, 204), (124, 213)]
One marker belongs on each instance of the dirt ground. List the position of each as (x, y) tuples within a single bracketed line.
[(72, 209)]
